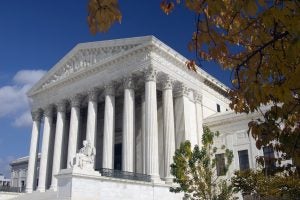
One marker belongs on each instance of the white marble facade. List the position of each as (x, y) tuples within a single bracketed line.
[(133, 99)]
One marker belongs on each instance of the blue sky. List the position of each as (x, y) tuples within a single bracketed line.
[(35, 34)]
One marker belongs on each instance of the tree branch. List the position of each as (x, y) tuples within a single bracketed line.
[(280, 36)]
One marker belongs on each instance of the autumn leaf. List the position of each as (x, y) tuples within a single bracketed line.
[(167, 6), (102, 14)]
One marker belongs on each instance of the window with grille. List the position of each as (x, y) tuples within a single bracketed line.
[(218, 108), (243, 159), (220, 164)]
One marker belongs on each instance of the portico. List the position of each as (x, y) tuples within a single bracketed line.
[(135, 95)]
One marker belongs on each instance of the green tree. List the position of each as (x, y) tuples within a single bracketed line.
[(195, 172), (259, 41), (256, 184)]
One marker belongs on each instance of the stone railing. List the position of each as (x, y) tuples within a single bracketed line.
[(12, 189), (124, 175)]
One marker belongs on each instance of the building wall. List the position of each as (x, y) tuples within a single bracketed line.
[(19, 173), (210, 99), (233, 129)]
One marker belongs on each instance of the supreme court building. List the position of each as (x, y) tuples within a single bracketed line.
[(135, 101)]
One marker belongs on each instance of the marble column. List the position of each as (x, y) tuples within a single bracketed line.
[(144, 154), (91, 130), (31, 173), (169, 129), (128, 126), (199, 117), (59, 133), (45, 148), (109, 127), (182, 115), (74, 128), (151, 127)]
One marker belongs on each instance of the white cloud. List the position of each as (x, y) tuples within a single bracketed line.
[(13, 100), (23, 120), (30, 77)]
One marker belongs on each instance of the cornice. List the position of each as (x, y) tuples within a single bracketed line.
[(141, 50), (181, 61), (228, 118), (125, 59)]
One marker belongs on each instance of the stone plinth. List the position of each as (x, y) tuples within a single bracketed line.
[(75, 184)]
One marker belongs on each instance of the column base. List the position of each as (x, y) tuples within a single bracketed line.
[(169, 180), (41, 189), (28, 190), (53, 188), (156, 179)]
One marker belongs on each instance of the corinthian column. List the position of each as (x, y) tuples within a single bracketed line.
[(31, 173), (169, 130), (60, 127), (183, 115), (128, 126), (144, 149), (151, 128), (74, 128), (199, 117), (91, 129), (45, 148), (109, 127)]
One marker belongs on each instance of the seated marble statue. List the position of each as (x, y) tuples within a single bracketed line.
[(85, 157)]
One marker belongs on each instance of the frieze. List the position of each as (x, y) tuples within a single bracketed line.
[(123, 63), (84, 59)]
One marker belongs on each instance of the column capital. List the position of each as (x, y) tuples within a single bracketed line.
[(167, 83), (93, 94), (61, 105), (49, 111), (36, 115), (128, 83), (76, 100), (150, 75), (197, 97), (182, 90), (109, 89)]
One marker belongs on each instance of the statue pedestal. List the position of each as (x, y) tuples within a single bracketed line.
[(81, 181), (70, 183), (78, 184)]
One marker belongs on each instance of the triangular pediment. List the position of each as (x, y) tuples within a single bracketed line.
[(85, 56)]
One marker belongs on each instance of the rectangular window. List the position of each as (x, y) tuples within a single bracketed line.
[(220, 164), (243, 159), (269, 158), (218, 108)]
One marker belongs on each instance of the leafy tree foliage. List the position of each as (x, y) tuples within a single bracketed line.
[(259, 41), (102, 14), (195, 170), (259, 186)]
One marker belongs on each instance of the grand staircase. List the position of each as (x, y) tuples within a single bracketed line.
[(48, 195)]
